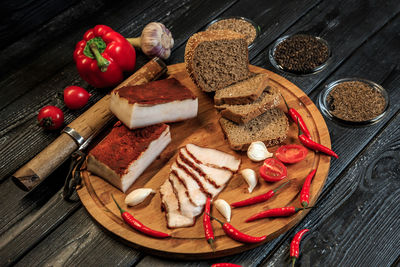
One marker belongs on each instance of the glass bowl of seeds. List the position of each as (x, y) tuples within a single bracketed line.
[(241, 25), (300, 54), (354, 101)]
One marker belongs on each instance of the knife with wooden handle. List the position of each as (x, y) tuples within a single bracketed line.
[(80, 132)]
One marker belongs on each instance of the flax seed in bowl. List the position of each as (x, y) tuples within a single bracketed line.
[(237, 24), (354, 101)]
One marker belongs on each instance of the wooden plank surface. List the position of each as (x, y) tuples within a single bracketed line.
[(204, 130), (351, 26)]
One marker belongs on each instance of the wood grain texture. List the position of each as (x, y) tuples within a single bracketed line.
[(272, 17), (345, 25), (188, 243), (26, 87), (357, 222)]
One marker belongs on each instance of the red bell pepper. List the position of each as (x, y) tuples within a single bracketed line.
[(102, 57)]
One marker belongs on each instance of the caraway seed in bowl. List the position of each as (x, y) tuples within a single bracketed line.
[(355, 101)]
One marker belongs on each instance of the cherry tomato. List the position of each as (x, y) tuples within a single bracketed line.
[(291, 153), (273, 170), (75, 97), (51, 117)]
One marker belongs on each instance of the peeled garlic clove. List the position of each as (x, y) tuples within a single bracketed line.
[(258, 151), (223, 208), (250, 177), (138, 196)]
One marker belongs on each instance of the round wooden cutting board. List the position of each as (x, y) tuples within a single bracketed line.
[(204, 130)]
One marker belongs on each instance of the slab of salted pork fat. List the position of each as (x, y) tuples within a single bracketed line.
[(154, 102), (122, 156)]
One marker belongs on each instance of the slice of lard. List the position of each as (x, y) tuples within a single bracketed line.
[(213, 157), (175, 219)]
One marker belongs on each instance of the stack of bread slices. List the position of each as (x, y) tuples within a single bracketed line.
[(217, 61)]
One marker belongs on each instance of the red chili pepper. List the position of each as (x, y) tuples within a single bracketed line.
[(208, 231), (277, 212), (295, 244), (235, 234), (102, 57), (259, 198), (129, 219), (305, 191), (225, 264), (296, 117), (307, 142)]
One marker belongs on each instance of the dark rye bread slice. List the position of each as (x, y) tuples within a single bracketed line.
[(241, 114), (216, 59), (270, 128), (244, 92)]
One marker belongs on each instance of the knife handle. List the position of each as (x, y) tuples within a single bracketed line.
[(87, 125)]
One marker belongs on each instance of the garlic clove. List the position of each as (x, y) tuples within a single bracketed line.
[(138, 196), (257, 151), (224, 208), (250, 177)]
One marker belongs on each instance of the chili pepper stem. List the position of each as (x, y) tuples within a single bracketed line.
[(304, 204), (281, 186), (284, 100), (293, 261), (135, 42), (298, 126), (211, 242), (212, 217), (101, 61), (120, 209)]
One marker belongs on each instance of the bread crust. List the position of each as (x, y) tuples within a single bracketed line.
[(206, 36)]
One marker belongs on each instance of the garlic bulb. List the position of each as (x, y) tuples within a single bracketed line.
[(250, 177), (258, 151), (156, 40), (223, 208), (138, 196)]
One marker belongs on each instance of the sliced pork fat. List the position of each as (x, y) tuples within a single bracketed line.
[(174, 217), (193, 190), (186, 207), (218, 177), (213, 157)]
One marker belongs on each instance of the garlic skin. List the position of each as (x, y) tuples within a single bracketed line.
[(156, 40), (250, 177), (224, 208), (257, 151), (138, 196)]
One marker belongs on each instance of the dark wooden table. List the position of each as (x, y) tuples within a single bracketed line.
[(357, 221)]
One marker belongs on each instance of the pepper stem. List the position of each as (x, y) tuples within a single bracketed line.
[(281, 186), (101, 61), (284, 100), (305, 208), (212, 217), (135, 42), (120, 209), (304, 204), (211, 242), (293, 261), (298, 126)]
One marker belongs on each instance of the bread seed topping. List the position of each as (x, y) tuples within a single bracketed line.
[(237, 25)]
